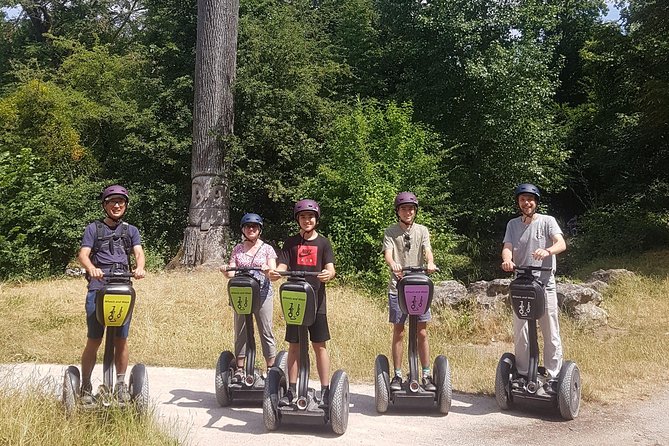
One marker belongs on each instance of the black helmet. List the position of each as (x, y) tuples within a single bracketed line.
[(527, 188), (251, 218)]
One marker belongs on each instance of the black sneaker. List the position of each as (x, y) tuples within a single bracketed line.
[(396, 383), (428, 384), (551, 386), (87, 394), (286, 399), (325, 399), (238, 377), (121, 392)]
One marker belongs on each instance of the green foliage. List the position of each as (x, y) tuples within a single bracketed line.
[(618, 230), (374, 152), (42, 217)]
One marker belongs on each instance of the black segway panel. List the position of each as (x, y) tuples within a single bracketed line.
[(414, 293), (298, 302), (244, 292), (527, 297), (114, 304)]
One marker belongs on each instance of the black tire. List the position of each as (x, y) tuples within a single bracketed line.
[(381, 383), (224, 370), (442, 374), (71, 385), (505, 367), (275, 387), (339, 397), (139, 388), (569, 390), (281, 361)]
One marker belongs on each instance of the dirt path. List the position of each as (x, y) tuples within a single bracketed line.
[(185, 403)]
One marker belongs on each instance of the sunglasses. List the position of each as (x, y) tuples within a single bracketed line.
[(407, 241)]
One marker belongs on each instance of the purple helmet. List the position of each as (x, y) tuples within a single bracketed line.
[(405, 198), (306, 205), (527, 188), (251, 218), (114, 190)]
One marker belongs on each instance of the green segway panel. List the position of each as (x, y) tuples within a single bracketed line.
[(298, 302), (244, 293), (114, 304), (528, 297), (414, 293)]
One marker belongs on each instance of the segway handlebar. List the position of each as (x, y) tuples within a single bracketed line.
[(416, 269), (243, 268), (80, 272), (532, 268), (124, 274), (293, 273)]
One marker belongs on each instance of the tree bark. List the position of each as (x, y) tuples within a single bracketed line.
[(207, 234)]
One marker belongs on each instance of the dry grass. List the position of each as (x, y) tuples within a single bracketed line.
[(30, 415), (183, 320)]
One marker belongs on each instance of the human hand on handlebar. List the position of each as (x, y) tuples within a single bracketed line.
[(325, 276), (508, 266), (139, 273)]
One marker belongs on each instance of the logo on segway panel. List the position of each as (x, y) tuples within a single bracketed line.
[(416, 298), (241, 299), (524, 311), (116, 309), (293, 304)]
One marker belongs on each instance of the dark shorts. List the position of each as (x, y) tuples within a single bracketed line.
[(318, 331), (395, 315), (95, 330)]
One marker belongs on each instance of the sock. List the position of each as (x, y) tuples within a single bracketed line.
[(120, 378), (426, 371), (398, 372), (292, 387), (324, 389)]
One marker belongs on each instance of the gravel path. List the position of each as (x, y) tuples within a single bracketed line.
[(185, 403)]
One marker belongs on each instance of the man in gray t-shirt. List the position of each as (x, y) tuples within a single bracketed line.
[(533, 240)]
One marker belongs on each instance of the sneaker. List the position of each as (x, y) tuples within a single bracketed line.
[(238, 377), (396, 383), (551, 386), (325, 399), (428, 384), (286, 399), (87, 394), (121, 392), (260, 381), (519, 383)]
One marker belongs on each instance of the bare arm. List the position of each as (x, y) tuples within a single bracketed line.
[(140, 260), (507, 256)]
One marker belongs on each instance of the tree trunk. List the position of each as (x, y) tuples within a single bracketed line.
[(205, 238)]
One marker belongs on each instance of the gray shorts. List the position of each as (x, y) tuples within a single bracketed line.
[(395, 315)]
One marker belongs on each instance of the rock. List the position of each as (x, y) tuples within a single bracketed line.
[(590, 314), (449, 293), (476, 288), (498, 286), (610, 275), (597, 285), (571, 295), (489, 294)]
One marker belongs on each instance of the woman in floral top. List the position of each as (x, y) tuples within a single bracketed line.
[(254, 252)]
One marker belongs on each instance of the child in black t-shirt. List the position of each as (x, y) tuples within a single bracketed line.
[(308, 251)]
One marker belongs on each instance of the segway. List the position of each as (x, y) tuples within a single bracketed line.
[(414, 291), (298, 303), (244, 294), (528, 300), (114, 304)]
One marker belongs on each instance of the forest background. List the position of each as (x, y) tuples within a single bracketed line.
[(347, 102)]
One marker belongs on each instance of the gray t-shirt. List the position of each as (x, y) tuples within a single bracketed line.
[(407, 251), (526, 239)]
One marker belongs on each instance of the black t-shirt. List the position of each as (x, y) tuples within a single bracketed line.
[(308, 255)]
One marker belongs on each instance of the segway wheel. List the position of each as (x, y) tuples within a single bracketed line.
[(381, 383), (339, 396), (139, 388), (505, 368), (281, 361), (569, 390), (275, 387), (442, 374), (223, 377), (71, 382)]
